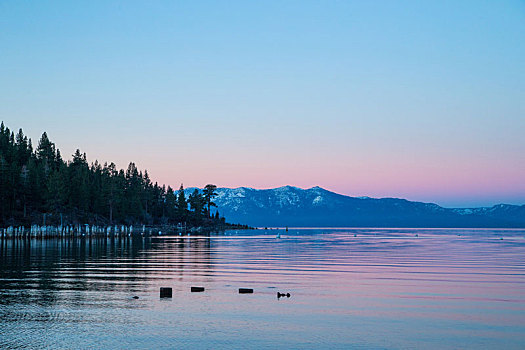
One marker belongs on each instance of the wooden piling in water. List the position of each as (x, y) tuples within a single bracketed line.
[(78, 230), (166, 292)]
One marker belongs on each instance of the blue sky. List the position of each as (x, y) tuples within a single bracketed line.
[(423, 100)]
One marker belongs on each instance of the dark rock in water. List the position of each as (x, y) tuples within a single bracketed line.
[(166, 292), (245, 290), (197, 289)]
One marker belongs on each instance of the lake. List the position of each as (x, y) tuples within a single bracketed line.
[(350, 289)]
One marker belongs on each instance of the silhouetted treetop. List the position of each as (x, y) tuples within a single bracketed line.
[(37, 182)]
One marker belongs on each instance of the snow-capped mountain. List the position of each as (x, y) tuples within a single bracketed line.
[(317, 207)]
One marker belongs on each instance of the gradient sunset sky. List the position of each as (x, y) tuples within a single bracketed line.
[(422, 100)]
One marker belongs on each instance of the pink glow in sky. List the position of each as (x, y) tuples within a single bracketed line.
[(414, 100)]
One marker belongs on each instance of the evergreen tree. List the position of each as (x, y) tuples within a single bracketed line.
[(182, 205), (110, 189), (57, 191), (171, 205), (147, 195), (78, 183), (45, 153), (209, 193), (197, 205)]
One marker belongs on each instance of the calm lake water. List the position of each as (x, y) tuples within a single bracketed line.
[(350, 288)]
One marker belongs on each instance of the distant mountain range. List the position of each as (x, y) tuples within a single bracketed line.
[(317, 207)]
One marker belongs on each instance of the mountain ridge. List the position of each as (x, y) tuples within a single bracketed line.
[(317, 207)]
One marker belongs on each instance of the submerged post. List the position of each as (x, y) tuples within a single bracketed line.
[(166, 292)]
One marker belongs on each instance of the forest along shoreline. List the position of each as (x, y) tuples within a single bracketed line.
[(43, 195)]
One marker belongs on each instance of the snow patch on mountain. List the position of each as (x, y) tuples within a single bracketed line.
[(317, 200), (289, 205)]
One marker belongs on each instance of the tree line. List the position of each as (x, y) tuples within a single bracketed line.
[(37, 184)]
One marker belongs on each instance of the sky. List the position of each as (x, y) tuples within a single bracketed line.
[(423, 100)]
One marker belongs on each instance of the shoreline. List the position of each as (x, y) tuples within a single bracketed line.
[(81, 231)]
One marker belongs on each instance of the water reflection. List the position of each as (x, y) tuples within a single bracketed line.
[(420, 288), (49, 272)]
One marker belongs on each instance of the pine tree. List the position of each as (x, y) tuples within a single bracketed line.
[(45, 153), (209, 193), (57, 191), (110, 189), (197, 205), (171, 205), (147, 195), (182, 205)]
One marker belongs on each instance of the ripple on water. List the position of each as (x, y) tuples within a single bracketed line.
[(458, 288)]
